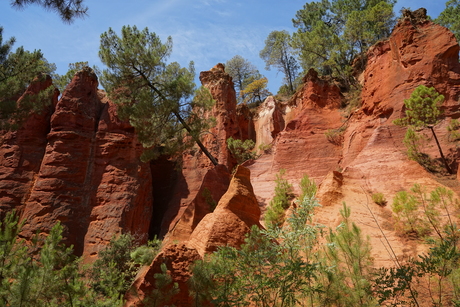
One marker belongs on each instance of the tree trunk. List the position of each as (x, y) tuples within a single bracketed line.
[(182, 121), (202, 147), (440, 151)]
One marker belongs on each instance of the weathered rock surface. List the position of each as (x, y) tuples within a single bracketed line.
[(302, 147), (202, 200), (220, 84), (187, 199), (422, 53), (237, 211), (231, 220), (371, 156), (268, 124), (177, 258), (21, 151), (90, 177)]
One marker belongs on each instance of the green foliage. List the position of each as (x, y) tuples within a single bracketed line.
[(241, 151), (283, 92), (144, 254), (439, 202), (288, 266), (243, 73), (18, 70), (274, 217), (68, 10), (405, 206), (279, 53), (422, 111), (273, 267), (12, 254), (452, 129), (332, 33), (437, 271), (414, 142), (449, 18), (422, 108), (379, 199), (113, 272), (391, 285), (209, 199), (293, 266), (164, 289), (265, 148), (256, 92), (308, 188), (349, 265), (335, 136), (45, 272), (155, 96)]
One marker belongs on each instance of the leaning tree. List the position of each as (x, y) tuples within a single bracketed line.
[(423, 111), (155, 96)]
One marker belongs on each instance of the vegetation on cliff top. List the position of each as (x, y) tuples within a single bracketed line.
[(159, 99)]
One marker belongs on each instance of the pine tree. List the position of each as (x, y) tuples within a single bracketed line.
[(450, 17), (153, 95), (423, 110), (68, 10), (242, 73), (18, 69), (279, 53)]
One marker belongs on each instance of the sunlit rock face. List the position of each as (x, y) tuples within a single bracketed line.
[(88, 175)]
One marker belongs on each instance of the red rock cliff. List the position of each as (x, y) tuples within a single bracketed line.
[(79, 166)]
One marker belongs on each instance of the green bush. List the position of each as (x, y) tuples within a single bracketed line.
[(288, 266), (209, 199), (452, 129), (307, 187), (242, 151), (144, 254), (113, 272), (379, 199), (274, 217), (335, 136)]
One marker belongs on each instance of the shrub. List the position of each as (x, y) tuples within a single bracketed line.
[(405, 206), (423, 110), (274, 217), (452, 129), (379, 199), (335, 136), (144, 254), (113, 272), (265, 148), (307, 187), (242, 151), (209, 199)]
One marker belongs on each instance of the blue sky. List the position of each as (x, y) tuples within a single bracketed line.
[(204, 31)]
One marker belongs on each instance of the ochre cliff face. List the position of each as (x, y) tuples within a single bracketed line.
[(237, 211), (371, 157), (228, 225), (22, 151), (302, 147), (220, 85), (79, 166), (423, 53), (198, 175)]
